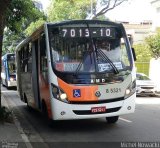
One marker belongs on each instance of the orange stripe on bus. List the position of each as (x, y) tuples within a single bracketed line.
[(87, 93)]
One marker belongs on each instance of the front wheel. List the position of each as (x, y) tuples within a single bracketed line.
[(111, 120)]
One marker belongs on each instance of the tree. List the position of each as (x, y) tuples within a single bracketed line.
[(16, 15), (71, 9), (10, 40), (104, 6), (153, 42), (5, 4), (33, 26), (80, 9), (143, 54)]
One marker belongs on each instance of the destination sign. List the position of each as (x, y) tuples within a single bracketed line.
[(87, 32)]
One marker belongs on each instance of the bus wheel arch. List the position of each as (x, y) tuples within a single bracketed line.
[(44, 109), (45, 114)]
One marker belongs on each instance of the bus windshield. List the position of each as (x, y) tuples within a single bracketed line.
[(78, 49), (11, 64)]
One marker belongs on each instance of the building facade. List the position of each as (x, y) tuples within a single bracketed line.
[(138, 32)]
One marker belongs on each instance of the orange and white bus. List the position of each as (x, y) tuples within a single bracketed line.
[(77, 69)]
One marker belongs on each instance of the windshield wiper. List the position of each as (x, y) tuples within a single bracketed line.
[(97, 52), (105, 58), (87, 52), (101, 53)]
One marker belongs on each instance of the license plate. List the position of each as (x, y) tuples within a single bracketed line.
[(101, 109)]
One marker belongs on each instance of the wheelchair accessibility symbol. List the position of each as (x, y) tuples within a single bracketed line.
[(76, 93)]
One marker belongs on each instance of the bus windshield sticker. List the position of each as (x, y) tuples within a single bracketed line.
[(68, 66), (107, 66)]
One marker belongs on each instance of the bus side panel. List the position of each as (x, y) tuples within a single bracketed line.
[(6, 72), (3, 74), (27, 87)]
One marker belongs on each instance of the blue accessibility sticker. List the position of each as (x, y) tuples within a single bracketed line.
[(76, 93)]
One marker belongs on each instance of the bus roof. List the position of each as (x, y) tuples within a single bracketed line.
[(85, 22)]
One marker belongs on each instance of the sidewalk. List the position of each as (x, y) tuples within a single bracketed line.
[(8, 131)]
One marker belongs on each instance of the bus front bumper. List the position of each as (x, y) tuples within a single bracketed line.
[(64, 111), (12, 83)]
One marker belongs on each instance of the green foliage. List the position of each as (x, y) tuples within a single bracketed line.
[(143, 54), (33, 26), (153, 42), (5, 115), (21, 13), (10, 41), (142, 67), (71, 9)]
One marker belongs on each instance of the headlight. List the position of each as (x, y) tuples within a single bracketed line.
[(130, 90), (11, 79), (63, 96), (59, 93)]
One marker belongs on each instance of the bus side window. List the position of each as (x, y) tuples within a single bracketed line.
[(43, 58), (30, 57)]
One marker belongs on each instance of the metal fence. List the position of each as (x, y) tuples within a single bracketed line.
[(142, 67)]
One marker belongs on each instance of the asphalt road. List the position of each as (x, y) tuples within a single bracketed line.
[(142, 126)]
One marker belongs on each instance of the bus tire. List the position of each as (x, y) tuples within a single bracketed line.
[(6, 83), (26, 101), (45, 114), (111, 120)]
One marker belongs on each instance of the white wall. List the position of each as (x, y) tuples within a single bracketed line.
[(154, 72)]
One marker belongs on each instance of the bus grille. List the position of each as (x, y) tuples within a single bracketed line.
[(98, 102)]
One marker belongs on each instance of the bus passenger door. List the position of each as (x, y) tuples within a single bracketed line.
[(35, 86)]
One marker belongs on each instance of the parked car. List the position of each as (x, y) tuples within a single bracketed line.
[(144, 85)]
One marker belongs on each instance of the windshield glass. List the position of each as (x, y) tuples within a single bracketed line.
[(92, 49), (11, 64)]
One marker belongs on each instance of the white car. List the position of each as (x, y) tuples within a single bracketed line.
[(144, 85)]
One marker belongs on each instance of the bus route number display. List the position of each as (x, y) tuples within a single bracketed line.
[(87, 32)]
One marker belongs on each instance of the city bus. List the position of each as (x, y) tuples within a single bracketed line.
[(77, 69), (8, 73)]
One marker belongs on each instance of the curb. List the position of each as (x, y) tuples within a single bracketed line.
[(10, 118)]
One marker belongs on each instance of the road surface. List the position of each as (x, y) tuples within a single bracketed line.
[(142, 126)]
